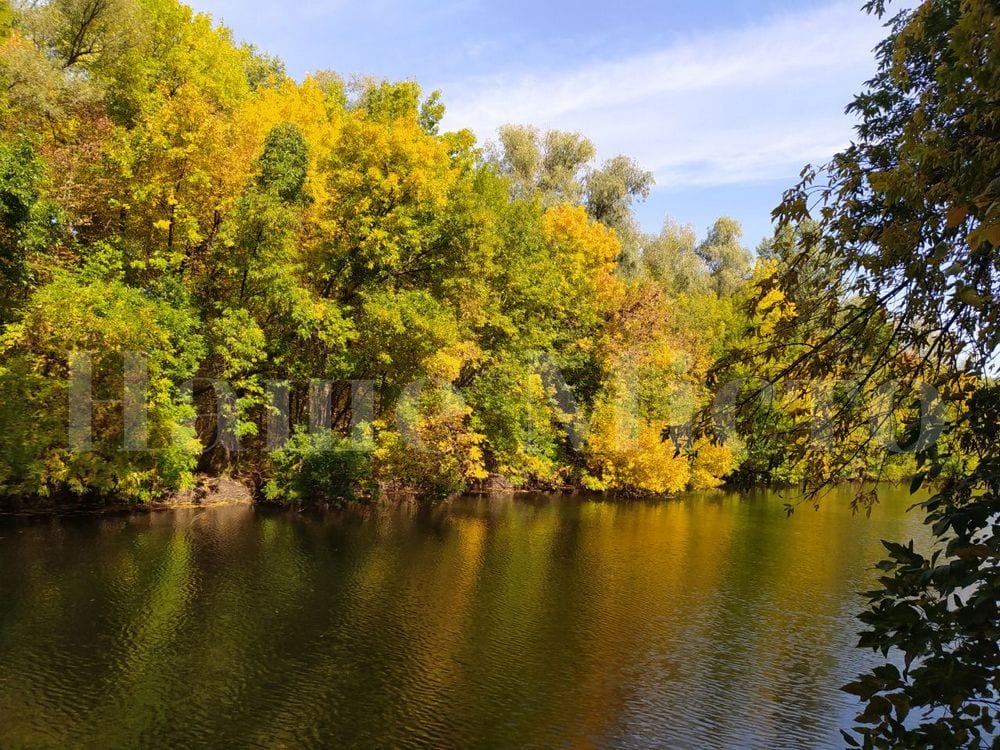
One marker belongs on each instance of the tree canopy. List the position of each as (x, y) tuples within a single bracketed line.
[(326, 237)]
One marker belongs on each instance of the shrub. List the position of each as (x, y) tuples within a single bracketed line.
[(320, 467), (433, 451)]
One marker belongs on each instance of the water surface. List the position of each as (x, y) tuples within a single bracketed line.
[(712, 621)]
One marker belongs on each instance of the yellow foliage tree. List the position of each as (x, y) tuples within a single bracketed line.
[(430, 448), (626, 453), (586, 252)]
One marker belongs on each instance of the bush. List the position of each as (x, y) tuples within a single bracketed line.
[(321, 467), (626, 453), (434, 452), (629, 454)]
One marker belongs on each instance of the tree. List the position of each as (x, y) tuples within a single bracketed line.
[(610, 192), (263, 70), (78, 32), (284, 165), (99, 315), (729, 263), (27, 221), (564, 157), (670, 259), (909, 218), (553, 164), (557, 167), (520, 157)]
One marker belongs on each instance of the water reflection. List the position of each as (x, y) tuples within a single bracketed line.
[(532, 622)]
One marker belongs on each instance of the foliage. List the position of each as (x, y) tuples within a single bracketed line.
[(729, 263), (558, 167), (430, 447), (108, 320), (629, 454), (671, 260), (27, 222), (906, 224), (327, 237), (516, 412), (318, 467)]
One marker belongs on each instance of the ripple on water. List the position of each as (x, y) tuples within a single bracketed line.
[(539, 623)]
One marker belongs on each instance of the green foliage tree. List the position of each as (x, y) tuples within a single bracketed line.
[(729, 263), (671, 259), (564, 158), (553, 164), (284, 165), (262, 69), (27, 221), (106, 319), (610, 192)]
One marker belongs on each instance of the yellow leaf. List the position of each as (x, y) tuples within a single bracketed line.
[(956, 215), (986, 233)]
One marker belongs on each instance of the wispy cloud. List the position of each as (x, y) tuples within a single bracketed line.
[(747, 105)]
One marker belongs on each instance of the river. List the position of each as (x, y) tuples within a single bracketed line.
[(711, 621)]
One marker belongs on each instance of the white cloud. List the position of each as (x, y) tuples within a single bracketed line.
[(739, 106)]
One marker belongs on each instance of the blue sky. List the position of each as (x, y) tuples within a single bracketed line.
[(724, 101)]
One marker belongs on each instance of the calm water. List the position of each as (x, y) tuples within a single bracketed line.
[(708, 622)]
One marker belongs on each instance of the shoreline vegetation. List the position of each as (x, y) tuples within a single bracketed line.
[(211, 268), (221, 491)]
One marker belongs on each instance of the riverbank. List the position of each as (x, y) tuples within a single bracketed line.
[(217, 491), (208, 492)]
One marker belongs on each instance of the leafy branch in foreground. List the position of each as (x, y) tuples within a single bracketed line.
[(907, 220)]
